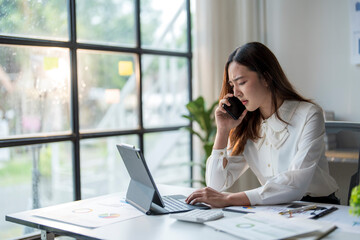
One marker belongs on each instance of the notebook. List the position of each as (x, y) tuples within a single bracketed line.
[(142, 192)]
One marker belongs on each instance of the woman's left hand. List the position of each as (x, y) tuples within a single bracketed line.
[(209, 196)]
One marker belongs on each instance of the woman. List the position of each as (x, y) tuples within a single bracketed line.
[(280, 136)]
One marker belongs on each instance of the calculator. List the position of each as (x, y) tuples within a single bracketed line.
[(198, 215)]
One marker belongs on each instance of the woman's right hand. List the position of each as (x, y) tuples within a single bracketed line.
[(223, 120)]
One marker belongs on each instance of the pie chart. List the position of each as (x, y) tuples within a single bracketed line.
[(109, 215)]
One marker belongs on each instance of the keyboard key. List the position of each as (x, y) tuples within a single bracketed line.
[(174, 205)]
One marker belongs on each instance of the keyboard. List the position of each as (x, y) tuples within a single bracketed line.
[(198, 215), (174, 205)]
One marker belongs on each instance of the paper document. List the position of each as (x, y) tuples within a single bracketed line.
[(326, 229), (345, 222), (355, 31), (93, 213), (265, 226), (280, 208)]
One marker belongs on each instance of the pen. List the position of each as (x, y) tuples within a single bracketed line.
[(326, 233), (327, 211), (300, 209), (235, 210)]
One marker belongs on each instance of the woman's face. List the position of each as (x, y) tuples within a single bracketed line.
[(251, 89)]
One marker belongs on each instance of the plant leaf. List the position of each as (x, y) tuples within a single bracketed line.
[(194, 132), (206, 120)]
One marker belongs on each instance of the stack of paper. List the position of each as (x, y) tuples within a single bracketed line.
[(268, 226)]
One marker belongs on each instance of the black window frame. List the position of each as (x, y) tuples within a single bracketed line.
[(75, 136)]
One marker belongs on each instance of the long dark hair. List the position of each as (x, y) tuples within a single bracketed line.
[(258, 58)]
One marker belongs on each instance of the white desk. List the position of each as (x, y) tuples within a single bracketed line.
[(149, 227)]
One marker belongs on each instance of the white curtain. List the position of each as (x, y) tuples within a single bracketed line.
[(220, 26)]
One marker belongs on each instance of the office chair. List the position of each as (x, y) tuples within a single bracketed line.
[(354, 181), (336, 127)]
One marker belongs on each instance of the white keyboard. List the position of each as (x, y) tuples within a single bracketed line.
[(198, 215)]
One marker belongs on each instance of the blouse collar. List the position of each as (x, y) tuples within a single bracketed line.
[(273, 129)]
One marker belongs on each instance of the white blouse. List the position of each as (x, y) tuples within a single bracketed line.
[(288, 160)]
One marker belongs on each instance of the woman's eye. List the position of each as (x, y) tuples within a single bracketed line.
[(242, 83)]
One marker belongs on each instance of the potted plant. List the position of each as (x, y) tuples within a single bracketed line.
[(355, 201), (205, 119)]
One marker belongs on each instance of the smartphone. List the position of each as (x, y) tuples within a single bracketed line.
[(235, 109)]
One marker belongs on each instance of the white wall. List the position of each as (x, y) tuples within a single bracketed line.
[(311, 39)]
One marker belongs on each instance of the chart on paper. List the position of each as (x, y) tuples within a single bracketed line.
[(92, 214), (265, 226)]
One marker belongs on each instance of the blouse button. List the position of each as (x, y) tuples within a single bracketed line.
[(269, 165)]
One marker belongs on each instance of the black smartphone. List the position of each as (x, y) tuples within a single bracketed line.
[(235, 109)]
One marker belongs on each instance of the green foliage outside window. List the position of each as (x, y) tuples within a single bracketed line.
[(34, 18)]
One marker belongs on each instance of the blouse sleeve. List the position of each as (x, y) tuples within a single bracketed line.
[(220, 178), (292, 184)]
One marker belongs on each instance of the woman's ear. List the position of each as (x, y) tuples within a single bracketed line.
[(265, 82), (266, 77)]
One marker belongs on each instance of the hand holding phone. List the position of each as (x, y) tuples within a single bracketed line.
[(235, 109)]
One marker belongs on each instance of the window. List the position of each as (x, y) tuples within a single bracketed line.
[(77, 77)]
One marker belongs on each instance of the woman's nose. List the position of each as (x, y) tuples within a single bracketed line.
[(237, 92)]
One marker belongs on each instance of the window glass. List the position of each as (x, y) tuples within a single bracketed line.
[(34, 90), (36, 100), (165, 90), (107, 91), (102, 169), (167, 155), (32, 177), (110, 22), (35, 19), (163, 25)]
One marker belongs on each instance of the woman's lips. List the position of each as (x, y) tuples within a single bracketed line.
[(244, 102)]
